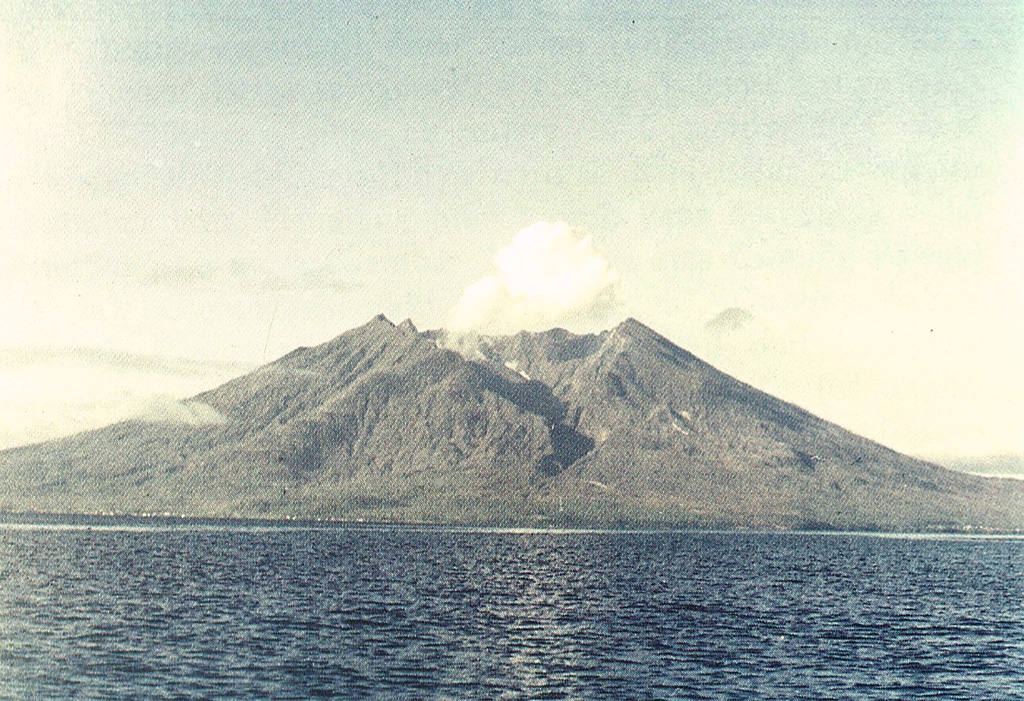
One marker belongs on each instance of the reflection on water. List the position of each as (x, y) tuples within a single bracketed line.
[(200, 609)]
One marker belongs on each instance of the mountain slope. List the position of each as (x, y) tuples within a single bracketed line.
[(694, 443), (385, 423)]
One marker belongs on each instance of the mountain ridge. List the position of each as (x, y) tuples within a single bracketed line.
[(387, 423)]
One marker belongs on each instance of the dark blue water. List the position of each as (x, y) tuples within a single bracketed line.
[(198, 610)]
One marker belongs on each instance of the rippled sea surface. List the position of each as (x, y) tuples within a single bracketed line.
[(153, 609)]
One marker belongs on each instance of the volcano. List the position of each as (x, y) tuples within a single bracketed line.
[(388, 424)]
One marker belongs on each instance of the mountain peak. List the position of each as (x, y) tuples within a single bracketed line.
[(632, 327), (631, 332)]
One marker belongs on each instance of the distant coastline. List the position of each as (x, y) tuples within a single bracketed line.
[(158, 522), (999, 475)]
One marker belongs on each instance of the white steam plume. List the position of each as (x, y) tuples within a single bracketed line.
[(549, 274), (168, 410)]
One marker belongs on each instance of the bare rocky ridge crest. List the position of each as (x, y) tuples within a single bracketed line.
[(385, 423)]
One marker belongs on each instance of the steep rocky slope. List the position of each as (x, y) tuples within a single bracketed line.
[(385, 423)]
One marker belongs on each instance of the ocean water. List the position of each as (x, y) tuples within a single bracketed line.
[(192, 609)]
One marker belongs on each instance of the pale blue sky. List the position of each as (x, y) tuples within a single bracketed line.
[(850, 172)]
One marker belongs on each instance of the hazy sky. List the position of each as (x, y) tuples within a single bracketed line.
[(187, 189)]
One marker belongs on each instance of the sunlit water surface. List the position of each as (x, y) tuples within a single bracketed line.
[(190, 609)]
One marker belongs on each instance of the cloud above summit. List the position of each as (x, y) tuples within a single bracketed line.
[(550, 274)]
